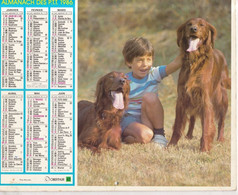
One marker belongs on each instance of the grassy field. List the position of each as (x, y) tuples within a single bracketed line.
[(148, 165), (104, 26)]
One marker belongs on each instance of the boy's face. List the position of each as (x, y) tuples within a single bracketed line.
[(140, 66)]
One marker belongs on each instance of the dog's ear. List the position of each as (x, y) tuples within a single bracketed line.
[(99, 91), (180, 34), (127, 92), (212, 35)]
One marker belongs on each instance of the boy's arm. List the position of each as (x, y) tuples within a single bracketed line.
[(174, 65)]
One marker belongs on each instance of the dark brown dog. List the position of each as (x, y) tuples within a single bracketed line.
[(202, 83), (99, 122)]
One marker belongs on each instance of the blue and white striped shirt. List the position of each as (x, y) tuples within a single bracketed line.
[(141, 86)]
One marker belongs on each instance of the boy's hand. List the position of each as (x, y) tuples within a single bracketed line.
[(174, 65)]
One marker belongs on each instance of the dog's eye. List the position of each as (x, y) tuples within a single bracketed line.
[(190, 24), (201, 24), (111, 77)]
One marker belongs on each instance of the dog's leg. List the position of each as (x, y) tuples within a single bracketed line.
[(179, 124), (208, 127), (222, 115), (103, 144), (191, 127), (114, 138), (221, 123)]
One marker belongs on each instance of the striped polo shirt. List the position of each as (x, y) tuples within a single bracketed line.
[(141, 86)]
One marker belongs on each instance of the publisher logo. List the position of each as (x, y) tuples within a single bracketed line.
[(47, 178), (55, 179)]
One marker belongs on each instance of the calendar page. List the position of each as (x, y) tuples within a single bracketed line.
[(38, 93)]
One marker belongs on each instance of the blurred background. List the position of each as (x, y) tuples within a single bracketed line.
[(105, 25)]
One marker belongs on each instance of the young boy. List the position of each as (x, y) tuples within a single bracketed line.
[(144, 119)]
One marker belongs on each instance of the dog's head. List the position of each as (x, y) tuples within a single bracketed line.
[(113, 88), (195, 33)]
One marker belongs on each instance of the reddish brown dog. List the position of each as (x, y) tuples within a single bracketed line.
[(202, 83), (99, 122)]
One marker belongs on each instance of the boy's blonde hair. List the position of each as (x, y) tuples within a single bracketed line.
[(135, 47)]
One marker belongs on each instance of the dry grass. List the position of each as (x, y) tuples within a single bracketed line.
[(148, 165)]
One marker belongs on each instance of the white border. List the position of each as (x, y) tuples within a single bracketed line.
[(152, 190)]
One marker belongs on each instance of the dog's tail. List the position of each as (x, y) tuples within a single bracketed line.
[(226, 80), (227, 83)]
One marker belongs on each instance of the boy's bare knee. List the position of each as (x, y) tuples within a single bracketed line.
[(145, 136), (150, 98)]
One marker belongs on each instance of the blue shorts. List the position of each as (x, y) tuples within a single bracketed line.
[(127, 119)]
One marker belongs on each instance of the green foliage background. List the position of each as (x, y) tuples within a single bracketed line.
[(105, 25)]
